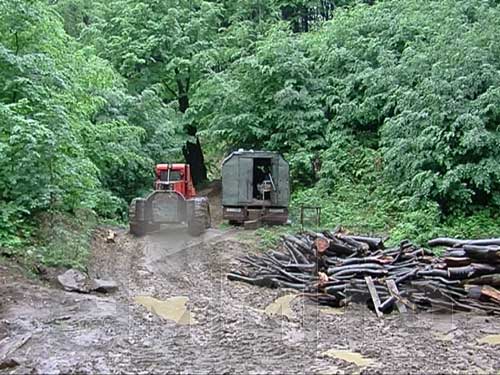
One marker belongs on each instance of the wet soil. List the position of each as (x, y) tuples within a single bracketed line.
[(232, 327)]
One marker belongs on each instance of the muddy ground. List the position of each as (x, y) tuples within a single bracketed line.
[(225, 328)]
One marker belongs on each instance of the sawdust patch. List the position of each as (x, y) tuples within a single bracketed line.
[(349, 356), (281, 306), (331, 311), (443, 337), (490, 339), (173, 308)]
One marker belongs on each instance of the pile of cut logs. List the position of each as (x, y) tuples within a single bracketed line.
[(334, 268)]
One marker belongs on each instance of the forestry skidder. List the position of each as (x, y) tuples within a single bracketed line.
[(173, 200)]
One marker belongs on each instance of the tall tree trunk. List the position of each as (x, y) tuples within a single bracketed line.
[(192, 151), (290, 13), (194, 157), (305, 19)]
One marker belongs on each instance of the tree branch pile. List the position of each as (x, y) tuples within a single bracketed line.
[(334, 268)]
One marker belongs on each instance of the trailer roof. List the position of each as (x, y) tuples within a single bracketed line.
[(254, 153)]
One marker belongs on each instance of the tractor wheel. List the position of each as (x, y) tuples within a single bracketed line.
[(136, 216), (200, 218), (208, 217), (138, 228)]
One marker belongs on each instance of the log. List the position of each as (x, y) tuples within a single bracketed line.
[(340, 248), (490, 293), (373, 242), (484, 253), (453, 242), (456, 253), (372, 266), (387, 304), (321, 244), (393, 290), (370, 259), (406, 276), (492, 279), (260, 281), (298, 256), (358, 245), (457, 261)]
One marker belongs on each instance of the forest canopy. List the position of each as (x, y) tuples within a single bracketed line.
[(388, 111)]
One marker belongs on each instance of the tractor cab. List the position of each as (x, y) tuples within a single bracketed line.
[(175, 177)]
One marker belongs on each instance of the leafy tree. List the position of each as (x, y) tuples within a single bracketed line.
[(420, 80), (443, 142), (163, 45), (267, 101), (55, 154), (387, 111)]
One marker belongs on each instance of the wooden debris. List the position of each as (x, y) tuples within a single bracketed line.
[(491, 293), (110, 237), (374, 295), (333, 268)]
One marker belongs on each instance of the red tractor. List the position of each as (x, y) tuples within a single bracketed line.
[(173, 200)]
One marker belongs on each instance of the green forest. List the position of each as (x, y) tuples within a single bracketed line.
[(388, 111)]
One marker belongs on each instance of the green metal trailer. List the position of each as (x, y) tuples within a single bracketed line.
[(255, 186)]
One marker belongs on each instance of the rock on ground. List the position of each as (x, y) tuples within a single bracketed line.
[(74, 281)]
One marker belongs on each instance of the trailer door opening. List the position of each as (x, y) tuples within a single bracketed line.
[(263, 182)]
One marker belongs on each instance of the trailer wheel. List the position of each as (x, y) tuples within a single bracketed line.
[(200, 217)]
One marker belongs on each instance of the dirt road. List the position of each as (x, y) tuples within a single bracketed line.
[(220, 326)]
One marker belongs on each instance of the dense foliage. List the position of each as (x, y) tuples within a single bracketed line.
[(387, 110)]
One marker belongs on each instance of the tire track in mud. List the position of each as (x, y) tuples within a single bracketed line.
[(228, 336), (113, 334)]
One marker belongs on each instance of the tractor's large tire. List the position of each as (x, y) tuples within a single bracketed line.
[(199, 219), (208, 217), (138, 228), (136, 217)]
